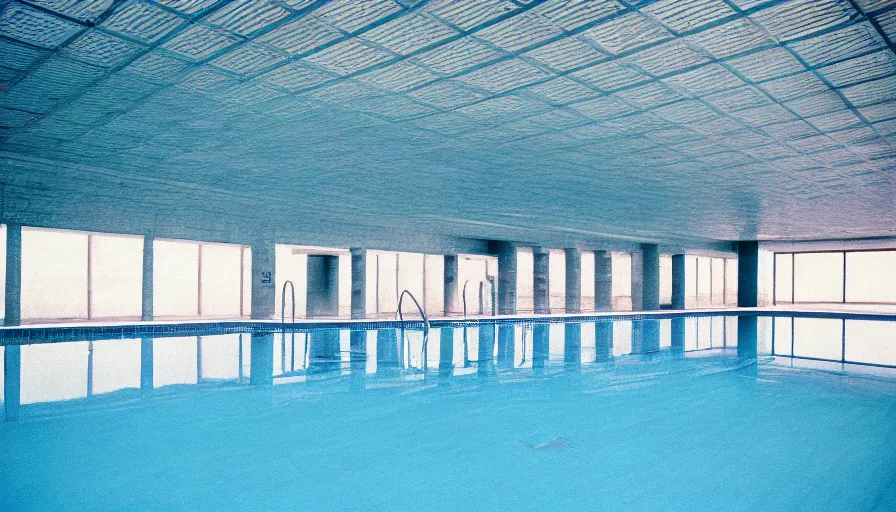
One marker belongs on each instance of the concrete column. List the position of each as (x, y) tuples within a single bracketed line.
[(13, 314), (359, 283), (322, 298), (541, 280), (261, 358), (450, 277), (637, 260), (603, 281), (506, 278), (650, 277), (573, 280), (678, 281), (12, 381), (264, 293), (148, 297), (747, 297)]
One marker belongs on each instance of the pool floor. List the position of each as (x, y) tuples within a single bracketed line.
[(660, 432)]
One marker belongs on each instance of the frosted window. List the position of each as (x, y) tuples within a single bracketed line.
[(690, 281), (525, 285), (472, 271), (587, 281), (718, 282), (665, 279), (783, 278), (557, 280), (54, 274), (116, 276), (53, 371), (817, 337), (387, 285), (622, 281), (221, 280), (247, 281), (174, 361), (765, 278), (289, 266), (704, 277), (2, 271), (410, 277), (871, 276), (871, 342), (818, 277), (345, 285), (175, 278), (731, 281), (435, 284), (116, 365)]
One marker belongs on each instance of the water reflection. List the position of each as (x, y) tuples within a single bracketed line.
[(77, 372)]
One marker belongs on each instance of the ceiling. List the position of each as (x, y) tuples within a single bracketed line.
[(516, 120)]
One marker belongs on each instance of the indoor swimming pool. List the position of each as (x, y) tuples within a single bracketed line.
[(668, 413)]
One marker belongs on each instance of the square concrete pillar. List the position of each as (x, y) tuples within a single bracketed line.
[(451, 285), (541, 280), (747, 297), (603, 281), (573, 280), (13, 314), (359, 283), (650, 277), (322, 298), (678, 281), (146, 313), (637, 260), (264, 293), (507, 261)]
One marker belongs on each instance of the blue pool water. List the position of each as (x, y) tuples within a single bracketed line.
[(540, 417)]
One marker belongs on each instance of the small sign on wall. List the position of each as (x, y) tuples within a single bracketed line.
[(266, 278)]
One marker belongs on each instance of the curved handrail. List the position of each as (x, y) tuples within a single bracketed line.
[(490, 282), (292, 287), (425, 322)]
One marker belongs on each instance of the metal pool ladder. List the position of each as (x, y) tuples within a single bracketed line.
[(292, 288), (425, 325)]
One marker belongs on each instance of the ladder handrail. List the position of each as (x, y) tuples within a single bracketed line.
[(463, 293), (292, 288), (425, 322)]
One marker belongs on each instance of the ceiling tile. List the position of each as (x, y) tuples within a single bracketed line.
[(766, 65), (566, 54), (800, 18), (142, 21), (246, 16), (408, 34), (249, 59), (36, 27), (199, 42), (626, 33), (572, 15), (839, 44), (611, 76), (686, 16), (519, 31), (469, 14), (351, 15), (457, 56), (730, 39), (503, 76), (348, 57)]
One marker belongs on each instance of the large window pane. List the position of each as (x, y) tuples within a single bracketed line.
[(718, 282), (783, 278), (386, 285), (525, 273), (292, 266), (557, 280), (116, 276), (221, 280), (704, 278), (54, 274), (622, 281), (818, 277), (410, 278), (731, 282), (471, 272), (665, 279), (175, 278), (435, 284), (690, 281), (587, 281), (871, 276)]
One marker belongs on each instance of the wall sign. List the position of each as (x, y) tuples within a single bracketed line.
[(265, 278)]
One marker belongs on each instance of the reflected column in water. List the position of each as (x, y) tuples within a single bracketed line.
[(446, 348), (358, 350), (486, 347), (324, 350), (747, 331), (387, 354), (603, 341), (645, 336), (572, 346), (261, 359), (146, 364), (678, 334), (541, 344), (12, 383), (506, 342)]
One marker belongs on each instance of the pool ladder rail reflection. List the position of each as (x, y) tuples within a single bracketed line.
[(490, 280), (293, 333), (422, 312)]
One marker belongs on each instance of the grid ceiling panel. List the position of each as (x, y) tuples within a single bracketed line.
[(702, 92)]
